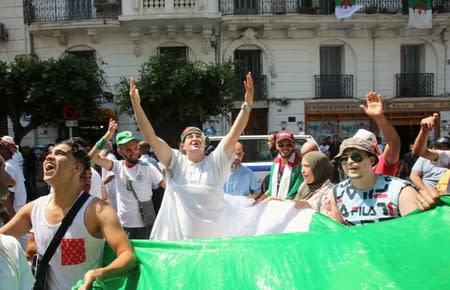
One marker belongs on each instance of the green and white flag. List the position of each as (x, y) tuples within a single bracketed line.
[(405, 253), (420, 15), (346, 8)]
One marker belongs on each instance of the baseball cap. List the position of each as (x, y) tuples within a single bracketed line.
[(357, 143), (11, 147), (284, 134), (189, 131), (9, 139), (125, 137), (368, 136)]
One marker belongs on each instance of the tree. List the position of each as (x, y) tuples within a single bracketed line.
[(42, 88), (178, 92)]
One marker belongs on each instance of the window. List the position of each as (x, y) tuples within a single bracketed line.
[(412, 80), (411, 59), (245, 6), (84, 54), (331, 83), (175, 51), (251, 61)]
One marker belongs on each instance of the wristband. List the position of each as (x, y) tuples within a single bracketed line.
[(100, 144)]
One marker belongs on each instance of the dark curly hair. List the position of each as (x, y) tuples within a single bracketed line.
[(77, 146)]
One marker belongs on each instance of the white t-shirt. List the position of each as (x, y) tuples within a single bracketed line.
[(96, 184), (142, 176), (110, 186), (194, 200), (20, 192), (15, 272)]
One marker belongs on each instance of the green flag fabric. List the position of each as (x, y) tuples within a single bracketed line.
[(345, 8), (406, 253), (420, 14)]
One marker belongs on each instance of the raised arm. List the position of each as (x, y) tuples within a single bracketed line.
[(375, 110), (94, 154), (420, 147), (241, 120), (160, 147)]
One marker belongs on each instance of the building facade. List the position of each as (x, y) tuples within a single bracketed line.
[(311, 70)]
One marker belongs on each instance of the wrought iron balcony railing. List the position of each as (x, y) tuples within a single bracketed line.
[(415, 85), (59, 10), (333, 86), (255, 7), (260, 86)]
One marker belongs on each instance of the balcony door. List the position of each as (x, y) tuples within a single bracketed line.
[(251, 61), (413, 81), (331, 72)]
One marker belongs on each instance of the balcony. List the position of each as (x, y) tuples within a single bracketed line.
[(256, 7), (333, 86), (415, 85), (62, 10), (260, 85)]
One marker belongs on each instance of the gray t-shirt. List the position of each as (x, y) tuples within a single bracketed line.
[(430, 172)]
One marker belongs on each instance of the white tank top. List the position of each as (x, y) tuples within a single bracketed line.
[(78, 251)]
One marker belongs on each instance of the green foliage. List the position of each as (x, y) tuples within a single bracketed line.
[(43, 87), (180, 92)]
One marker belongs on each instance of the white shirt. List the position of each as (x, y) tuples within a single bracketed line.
[(20, 192), (142, 177), (96, 184), (15, 272)]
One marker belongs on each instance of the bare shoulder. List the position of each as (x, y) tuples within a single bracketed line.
[(98, 207)]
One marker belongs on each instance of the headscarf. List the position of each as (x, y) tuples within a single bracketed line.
[(321, 169)]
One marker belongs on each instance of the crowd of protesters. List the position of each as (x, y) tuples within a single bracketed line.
[(335, 177)]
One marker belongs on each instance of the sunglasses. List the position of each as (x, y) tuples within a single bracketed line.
[(356, 157), (288, 145)]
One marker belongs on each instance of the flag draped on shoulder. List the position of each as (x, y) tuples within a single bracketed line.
[(420, 14), (405, 253), (346, 8)]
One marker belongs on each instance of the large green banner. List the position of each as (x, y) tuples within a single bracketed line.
[(407, 253)]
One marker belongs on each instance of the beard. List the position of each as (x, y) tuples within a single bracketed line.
[(133, 161)]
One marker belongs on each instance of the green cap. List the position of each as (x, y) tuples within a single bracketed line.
[(124, 137)]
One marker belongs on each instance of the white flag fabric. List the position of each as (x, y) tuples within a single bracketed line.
[(346, 8), (420, 14), (195, 211)]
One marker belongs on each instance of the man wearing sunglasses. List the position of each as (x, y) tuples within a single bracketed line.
[(367, 197), (285, 173)]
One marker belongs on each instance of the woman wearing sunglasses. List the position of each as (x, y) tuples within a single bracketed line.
[(366, 197)]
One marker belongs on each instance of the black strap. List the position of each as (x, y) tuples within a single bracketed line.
[(65, 224)]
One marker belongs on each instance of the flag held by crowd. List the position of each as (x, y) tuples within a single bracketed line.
[(420, 14), (346, 8), (406, 253)]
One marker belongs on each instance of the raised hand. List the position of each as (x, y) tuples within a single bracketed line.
[(112, 128), (134, 92), (249, 89), (429, 123), (374, 107)]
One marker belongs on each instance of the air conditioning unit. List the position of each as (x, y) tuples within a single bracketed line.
[(3, 33)]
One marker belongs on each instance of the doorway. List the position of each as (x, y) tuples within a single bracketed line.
[(408, 134), (257, 123)]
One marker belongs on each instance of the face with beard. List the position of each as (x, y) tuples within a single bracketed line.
[(285, 147), (130, 152)]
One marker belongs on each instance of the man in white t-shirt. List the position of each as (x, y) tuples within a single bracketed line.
[(194, 197), (134, 180)]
